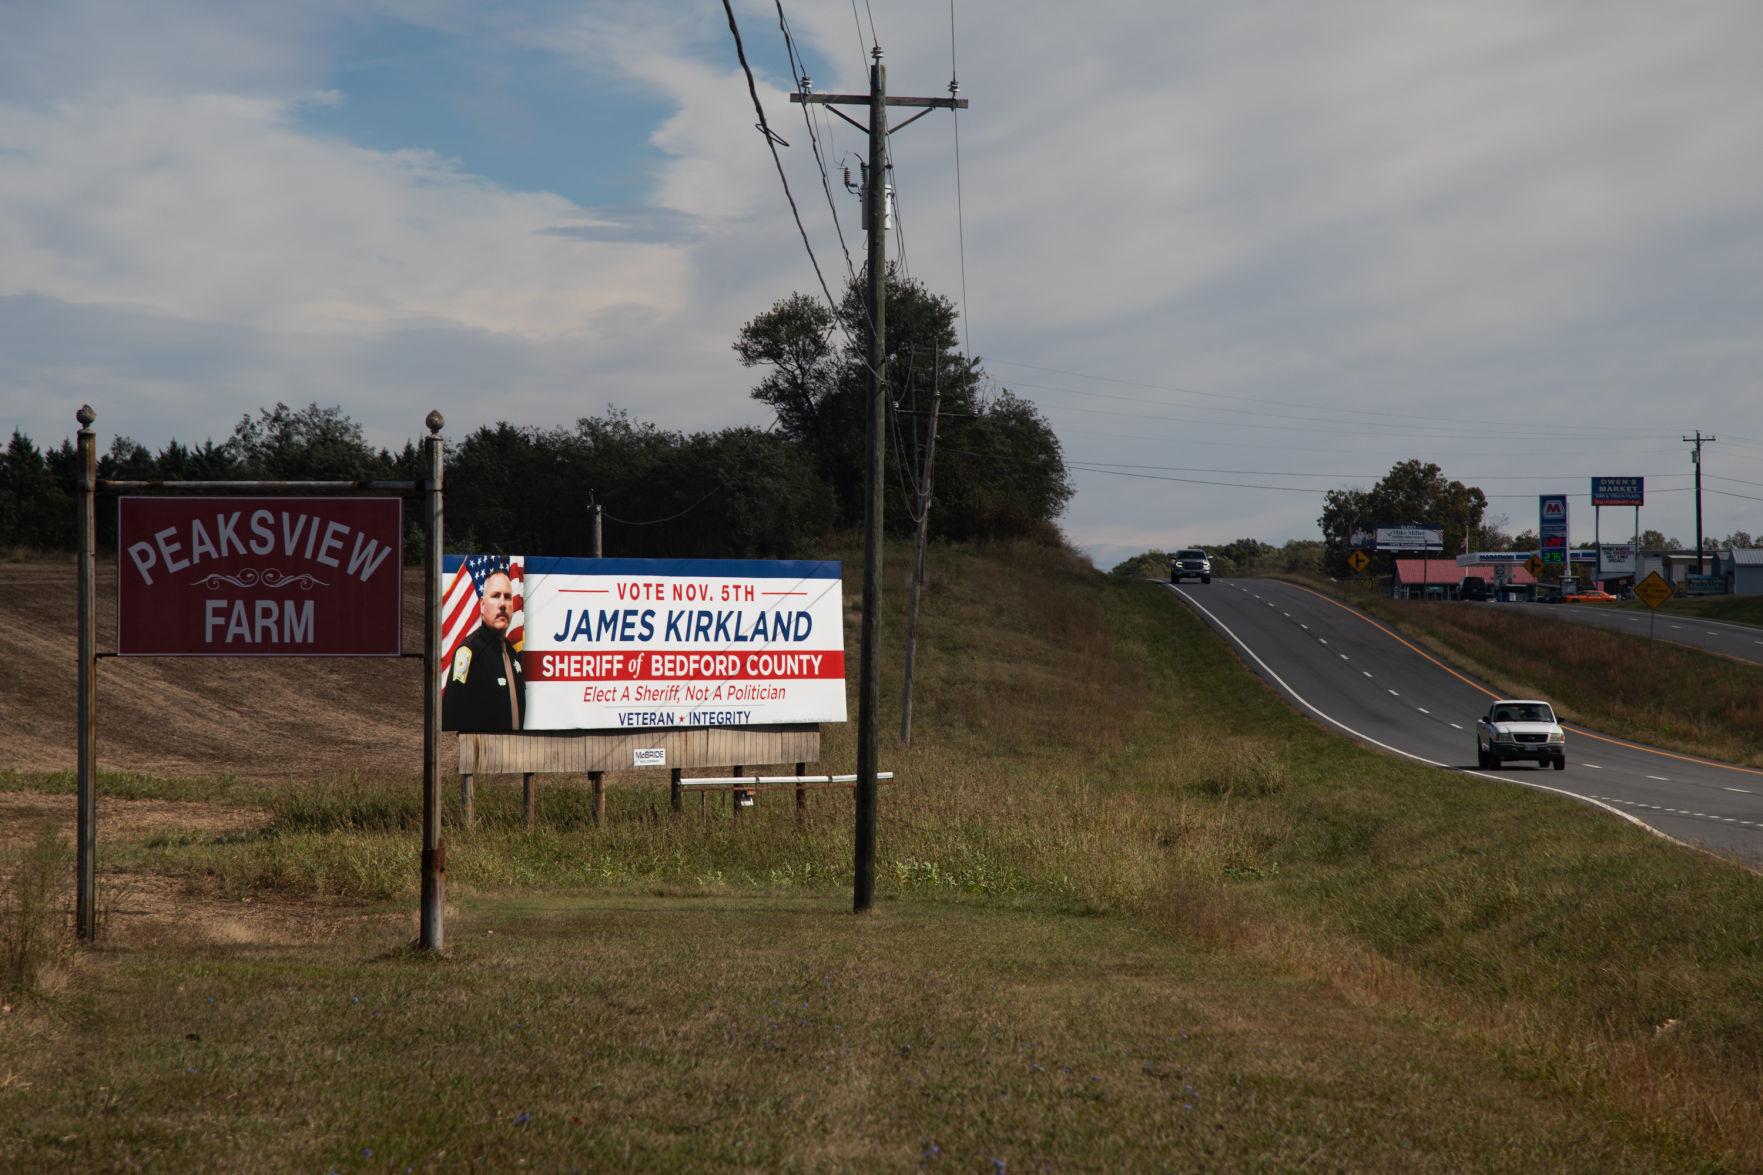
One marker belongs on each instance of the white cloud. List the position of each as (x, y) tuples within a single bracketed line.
[(212, 208), (1355, 205)]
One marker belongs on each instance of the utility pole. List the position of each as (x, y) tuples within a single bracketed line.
[(86, 789), (930, 458), (1698, 440), (868, 676)]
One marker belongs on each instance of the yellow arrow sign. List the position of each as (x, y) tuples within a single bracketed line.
[(1357, 561), (1534, 565), (1653, 590)]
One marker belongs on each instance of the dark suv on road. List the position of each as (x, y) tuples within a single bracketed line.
[(1474, 587), (1190, 563)]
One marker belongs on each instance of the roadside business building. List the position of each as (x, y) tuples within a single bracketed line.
[(1441, 579)]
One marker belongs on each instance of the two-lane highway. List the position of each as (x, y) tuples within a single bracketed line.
[(1344, 668)]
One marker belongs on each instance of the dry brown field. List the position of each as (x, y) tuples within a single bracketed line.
[(256, 718)]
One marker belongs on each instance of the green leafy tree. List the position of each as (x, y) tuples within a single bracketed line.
[(312, 444), (1000, 471), (1246, 556), (37, 496), (1301, 557), (1153, 564), (794, 339), (1413, 492), (736, 493), (1491, 534)]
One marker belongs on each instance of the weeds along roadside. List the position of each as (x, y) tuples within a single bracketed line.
[(34, 939), (1061, 762)]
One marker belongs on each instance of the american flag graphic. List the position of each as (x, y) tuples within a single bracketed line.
[(459, 604)]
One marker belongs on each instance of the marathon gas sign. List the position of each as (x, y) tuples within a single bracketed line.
[(635, 643), (260, 577)]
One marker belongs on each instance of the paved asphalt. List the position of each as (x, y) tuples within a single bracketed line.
[(1716, 636), (1345, 669)]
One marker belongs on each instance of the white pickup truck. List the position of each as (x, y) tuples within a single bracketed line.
[(1520, 729)]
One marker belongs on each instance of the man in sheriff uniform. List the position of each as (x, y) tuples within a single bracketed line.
[(485, 688)]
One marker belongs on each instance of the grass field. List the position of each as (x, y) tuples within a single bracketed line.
[(1129, 919)]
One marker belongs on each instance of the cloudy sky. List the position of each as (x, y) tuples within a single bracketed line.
[(1238, 254)]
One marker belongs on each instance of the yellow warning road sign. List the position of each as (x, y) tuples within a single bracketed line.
[(1534, 565), (1653, 590), (1357, 561)]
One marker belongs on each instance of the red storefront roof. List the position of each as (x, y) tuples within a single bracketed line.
[(1446, 571)]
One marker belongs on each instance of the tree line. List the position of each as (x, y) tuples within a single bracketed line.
[(733, 493), (1412, 493), (1238, 557)]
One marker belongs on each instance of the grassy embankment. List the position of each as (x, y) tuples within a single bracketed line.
[(1131, 919)]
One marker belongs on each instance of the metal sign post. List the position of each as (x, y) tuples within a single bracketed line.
[(1652, 591), (85, 908), (434, 846), (219, 536), (1620, 491)]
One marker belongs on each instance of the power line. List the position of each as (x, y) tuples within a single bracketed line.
[(720, 484), (1555, 477), (858, 21), (1085, 468), (799, 74), (1308, 426), (1554, 451), (1374, 415), (772, 140)]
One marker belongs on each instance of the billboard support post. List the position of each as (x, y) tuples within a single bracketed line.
[(434, 846), (85, 912)]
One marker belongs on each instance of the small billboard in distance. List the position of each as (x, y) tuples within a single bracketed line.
[(1619, 491)]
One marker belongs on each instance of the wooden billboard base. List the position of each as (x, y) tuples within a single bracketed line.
[(595, 752), (580, 752)]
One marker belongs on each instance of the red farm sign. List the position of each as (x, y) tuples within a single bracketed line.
[(260, 577)]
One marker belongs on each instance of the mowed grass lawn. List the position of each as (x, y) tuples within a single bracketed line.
[(1130, 918)]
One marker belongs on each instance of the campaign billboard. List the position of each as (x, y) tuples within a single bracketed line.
[(259, 577), (553, 643), (1410, 538)]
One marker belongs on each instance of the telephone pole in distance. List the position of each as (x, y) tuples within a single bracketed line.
[(1698, 440)]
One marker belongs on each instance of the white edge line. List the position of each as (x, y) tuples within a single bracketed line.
[(1335, 722)]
